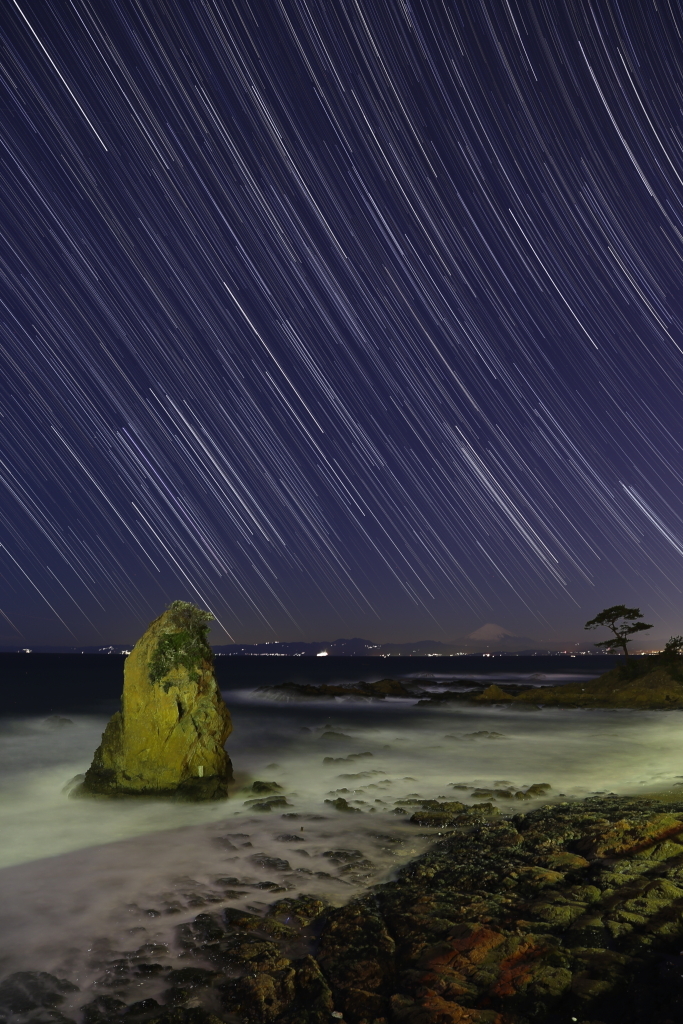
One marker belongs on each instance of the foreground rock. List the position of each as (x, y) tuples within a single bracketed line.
[(571, 912), (168, 738), (29, 991)]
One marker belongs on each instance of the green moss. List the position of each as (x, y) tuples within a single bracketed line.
[(635, 668), (183, 643)]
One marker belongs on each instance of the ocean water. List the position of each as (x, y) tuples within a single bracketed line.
[(84, 882)]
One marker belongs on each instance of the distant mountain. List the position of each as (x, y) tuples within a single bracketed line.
[(353, 648), (489, 632), (491, 637), (488, 639)]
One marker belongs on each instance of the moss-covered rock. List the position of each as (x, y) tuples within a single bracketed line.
[(168, 738), (645, 682), (657, 688), (507, 922), (502, 921), (328, 691)]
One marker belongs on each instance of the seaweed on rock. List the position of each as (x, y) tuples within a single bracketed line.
[(182, 643)]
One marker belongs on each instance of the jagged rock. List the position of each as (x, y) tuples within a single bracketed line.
[(358, 955), (499, 922), (623, 837), (340, 804), (168, 737), (28, 990), (265, 787)]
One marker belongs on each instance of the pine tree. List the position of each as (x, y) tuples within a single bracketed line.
[(610, 617)]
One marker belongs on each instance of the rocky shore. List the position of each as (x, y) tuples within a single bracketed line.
[(327, 691), (656, 689), (653, 682), (569, 912)]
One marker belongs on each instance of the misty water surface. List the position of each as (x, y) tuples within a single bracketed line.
[(83, 879)]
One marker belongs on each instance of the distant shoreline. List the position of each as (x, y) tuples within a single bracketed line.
[(66, 682), (220, 652)]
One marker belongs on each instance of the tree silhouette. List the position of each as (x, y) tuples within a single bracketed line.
[(610, 617), (674, 645)]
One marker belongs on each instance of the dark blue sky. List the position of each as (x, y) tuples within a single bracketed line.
[(351, 318)]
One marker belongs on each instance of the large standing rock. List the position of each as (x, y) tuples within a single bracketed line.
[(167, 739)]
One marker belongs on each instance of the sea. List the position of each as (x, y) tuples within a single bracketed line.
[(85, 883)]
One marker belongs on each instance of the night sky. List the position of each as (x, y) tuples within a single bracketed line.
[(355, 317)]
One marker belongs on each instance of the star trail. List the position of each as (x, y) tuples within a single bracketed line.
[(340, 318)]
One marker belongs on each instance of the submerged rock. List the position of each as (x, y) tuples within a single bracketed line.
[(340, 804), (29, 990), (168, 737)]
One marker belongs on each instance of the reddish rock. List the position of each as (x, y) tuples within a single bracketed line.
[(626, 838)]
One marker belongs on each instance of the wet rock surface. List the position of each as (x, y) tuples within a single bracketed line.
[(34, 996), (569, 912)]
